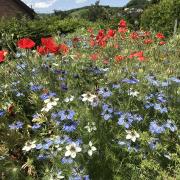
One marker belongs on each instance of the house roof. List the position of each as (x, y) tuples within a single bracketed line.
[(29, 10)]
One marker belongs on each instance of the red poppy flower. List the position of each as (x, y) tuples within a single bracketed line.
[(94, 57), (134, 35), (90, 30), (111, 33), (122, 30), (139, 55), (64, 49), (42, 50), (160, 36), (50, 44), (122, 23), (148, 41), (2, 55), (25, 43), (119, 58), (92, 43), (162, 43)]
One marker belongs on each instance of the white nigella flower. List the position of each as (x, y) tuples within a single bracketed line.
[(72, 150), (69, 99), (49, 104), (133, 93), (132, 135), (29, 145), (88, 97), (92, 149), (91, 127)]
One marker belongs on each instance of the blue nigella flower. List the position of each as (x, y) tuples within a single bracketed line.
[(170, 125), (2, 112), (67, 160), (36, 87), (36, 126), (174, 79), (70, 128), (39, 146), (47, 95), (104, 92), (130, 81), (153, 143), (154, 128), (68, 114), (17, 125)]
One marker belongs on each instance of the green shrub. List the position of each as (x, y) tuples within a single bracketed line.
[(162, 16), (14, 29)]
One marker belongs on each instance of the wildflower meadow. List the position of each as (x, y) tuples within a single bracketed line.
[(100, 104)]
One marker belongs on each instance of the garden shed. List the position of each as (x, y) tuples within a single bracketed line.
[(14, 8)]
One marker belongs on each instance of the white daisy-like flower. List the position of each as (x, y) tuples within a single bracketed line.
[(92, 149), (132, 135), (72, 150), (29, 145)]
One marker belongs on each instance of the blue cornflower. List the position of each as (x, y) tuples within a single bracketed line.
[(170, 125), (2, 112), (68, 114), (154, 128), (17, 125), (130, 81), (104, 92)]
